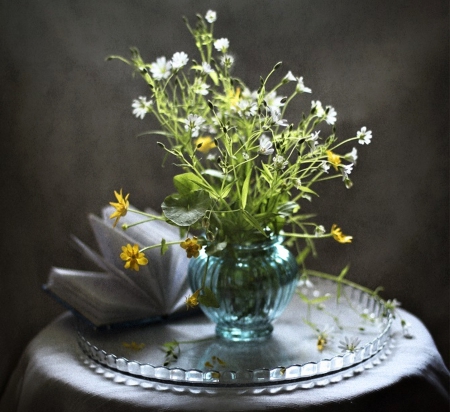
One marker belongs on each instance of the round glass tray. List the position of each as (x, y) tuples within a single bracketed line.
[(290, 355)]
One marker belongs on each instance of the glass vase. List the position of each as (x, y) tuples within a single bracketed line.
[(253, 284)]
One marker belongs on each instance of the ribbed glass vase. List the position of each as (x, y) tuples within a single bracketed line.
[(253, 283)]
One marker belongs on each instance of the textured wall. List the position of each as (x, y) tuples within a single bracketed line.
[(68, 136)]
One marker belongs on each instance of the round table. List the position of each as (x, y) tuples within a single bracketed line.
[(55, 375)]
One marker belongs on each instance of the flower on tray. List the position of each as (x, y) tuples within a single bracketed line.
[(246, 167)]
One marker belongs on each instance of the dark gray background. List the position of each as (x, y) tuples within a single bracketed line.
[(68, 135)]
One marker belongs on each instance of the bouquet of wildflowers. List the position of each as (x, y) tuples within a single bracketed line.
[(245, 169)]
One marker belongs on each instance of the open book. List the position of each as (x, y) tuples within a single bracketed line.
[(114, 295)]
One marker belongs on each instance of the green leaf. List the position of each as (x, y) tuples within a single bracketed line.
[(338, 280), (185, 210), (164, 247), (287, 209), (250, 219), (314, 301), (186, 183), (302, 255), (208, 298), (307, 190), (245, 187)]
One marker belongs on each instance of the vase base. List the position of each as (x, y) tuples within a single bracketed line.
[(243, 335)]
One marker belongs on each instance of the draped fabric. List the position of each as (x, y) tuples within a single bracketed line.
[(54, 375)]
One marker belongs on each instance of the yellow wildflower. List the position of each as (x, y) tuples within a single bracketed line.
[(205, 144), (133, 257), (334, 159), (235, 96), (337, 234), (121, 206), (321, 342), (192, 301), (191, 246)]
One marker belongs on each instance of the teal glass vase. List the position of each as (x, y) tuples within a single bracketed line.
[(253, 284)]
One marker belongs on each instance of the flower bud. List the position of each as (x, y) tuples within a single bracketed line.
[(277, 66)]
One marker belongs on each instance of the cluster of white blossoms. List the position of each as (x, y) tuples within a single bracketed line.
[(266, 114)]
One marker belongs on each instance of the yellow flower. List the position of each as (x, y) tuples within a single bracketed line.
[(191, 246), (121, 206), (192, 301), (133, 257), (321, 342), (334, 159), (234, 97), (337, 234), (205, 144)]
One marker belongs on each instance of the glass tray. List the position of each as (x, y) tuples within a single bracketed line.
[(290, 355)]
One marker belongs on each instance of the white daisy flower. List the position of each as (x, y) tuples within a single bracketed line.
[(276, 118), (290, 77), (200, 87), (193, 123), (325, 166), (300, 87), (318, 108), (222, 45), (161, 68), (179, 60), (331, 114), (347, 169), (349, 344), (206, 68), (265, 145), (279, 162), (141, 106), (364, 136), (273, 101), (211, 16), (352, 156)]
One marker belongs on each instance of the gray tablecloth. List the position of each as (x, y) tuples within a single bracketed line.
[(54, 375)]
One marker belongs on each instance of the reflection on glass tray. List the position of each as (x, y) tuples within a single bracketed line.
[(291, 354)]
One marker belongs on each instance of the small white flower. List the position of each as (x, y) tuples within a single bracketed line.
[(331, 114), (364, 136), (211, 16), (179, 59), (349, 345), (273, 101), (245, 156), (301, 88), (200, 87), (290, 77), (317, 107), (227, 60), (298, 183), (313, 137), (319, 231), (141, 106), (304, 282), (279, 162), (247, 108), (222, 45), (352, 156), (193, 123), (347, 169), (265, 145), (325, 166), (161, 68), (276, 118), (206, 68)]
